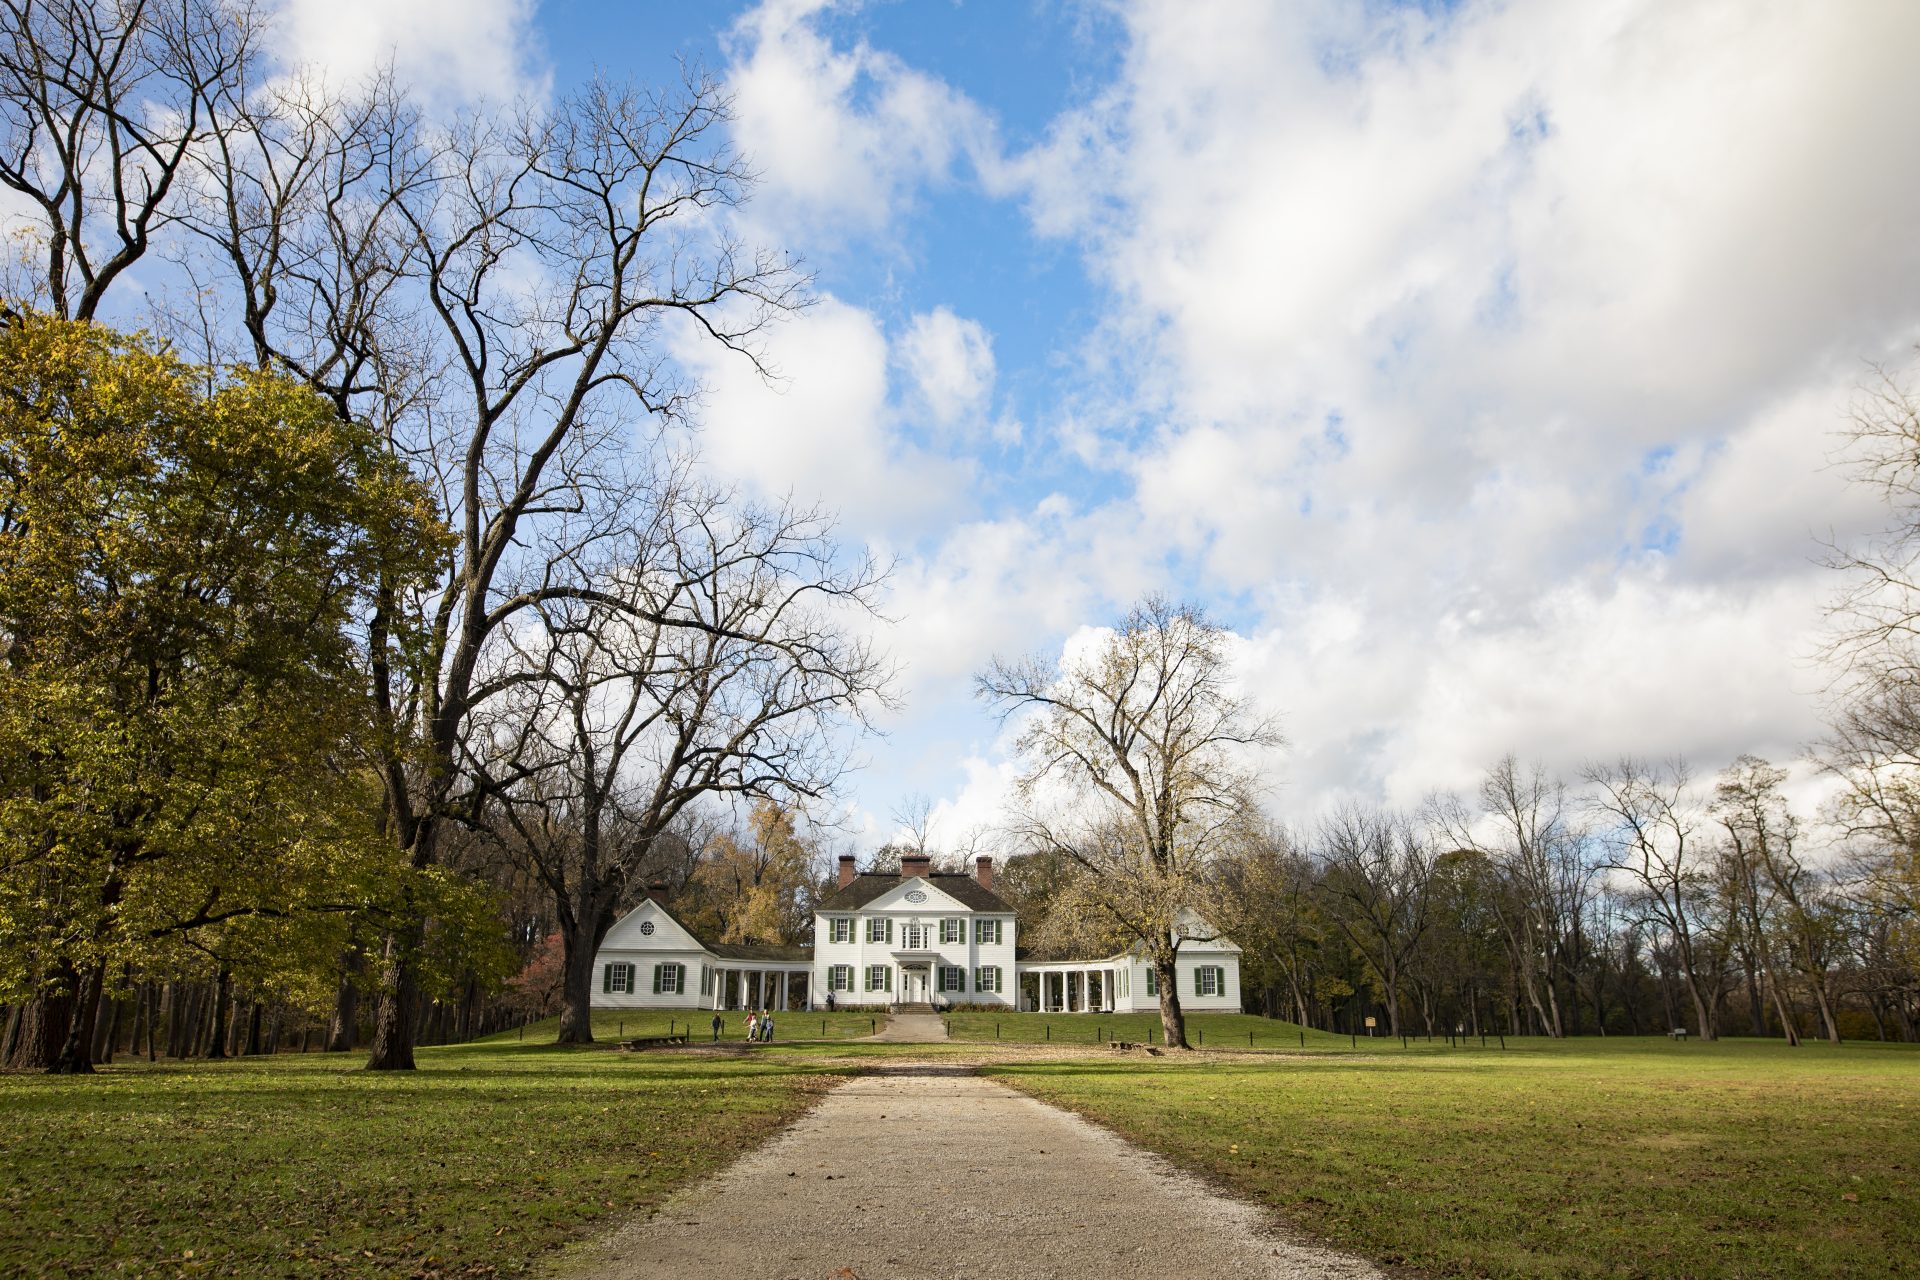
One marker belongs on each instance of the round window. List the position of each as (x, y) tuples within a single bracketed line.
[(914, 895), (646, 927)]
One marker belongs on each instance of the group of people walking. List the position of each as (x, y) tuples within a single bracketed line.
[(759, 1027)]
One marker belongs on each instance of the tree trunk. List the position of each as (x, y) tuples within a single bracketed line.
[(1173, 1023), (1700, 1013), (175, 1020), (576, 1011), (397, 1007), (222, 1014), (45, 1022), (140, 1017), (346, 1013), (1828, 1026), (1755, 1016), (1787, 1026), (255, 1045), (76, 1053), (107, 1037)]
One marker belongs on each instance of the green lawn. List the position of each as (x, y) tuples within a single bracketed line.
[(1587, 1158), (1208, 1030), (610, 1026), (308, 1166)]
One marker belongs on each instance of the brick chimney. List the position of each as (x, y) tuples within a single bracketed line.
[(983, 871), (914, 864), (846, 871), (658, 890)]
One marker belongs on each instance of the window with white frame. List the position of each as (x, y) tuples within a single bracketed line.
[(952, 978), (840, 977), (952, 930), (706, 981), (879, 977), (840, 929), (1123, 983), (618, 979), (913, 937), (669, 979), (879, 929), (1209, 980), (986, 931), (986, 978)]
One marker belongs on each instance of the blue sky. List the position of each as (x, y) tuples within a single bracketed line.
[(1480, 365)]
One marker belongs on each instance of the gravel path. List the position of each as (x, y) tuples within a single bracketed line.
[(930, 1172), (912, 1028)]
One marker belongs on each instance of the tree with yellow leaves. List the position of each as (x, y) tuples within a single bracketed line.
[(182, 553)]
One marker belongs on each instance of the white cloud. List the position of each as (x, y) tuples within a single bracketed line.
[(1482, 365), (842, 138), (1496, 357), (447, 51), (824, 428), (951, 363)]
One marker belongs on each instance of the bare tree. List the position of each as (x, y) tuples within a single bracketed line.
[(1137, 766), (1544, 877), (915, 818), (1652, 825), (1378, 881), (496, 296), (1764, 836), (1874, 746), (716, 662), (102, 105), (1267, 897)]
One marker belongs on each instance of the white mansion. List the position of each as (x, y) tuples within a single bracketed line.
[(919, 937)]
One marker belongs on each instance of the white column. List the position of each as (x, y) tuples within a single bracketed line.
[(786, 991)]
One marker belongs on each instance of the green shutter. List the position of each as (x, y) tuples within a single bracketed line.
[(680, 978), (887, 973), (656, 978), (889, 943), (606, 980)]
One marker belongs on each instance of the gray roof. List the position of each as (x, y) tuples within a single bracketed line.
[(964, 888), (733, 950), (757, 951)]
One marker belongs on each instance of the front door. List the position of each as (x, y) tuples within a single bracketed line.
[(913, 986)]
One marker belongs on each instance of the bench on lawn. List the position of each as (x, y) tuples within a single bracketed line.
[(1678, 1033), (653, 1042)]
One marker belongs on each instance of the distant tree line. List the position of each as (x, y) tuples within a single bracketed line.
[(1650, 904)]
